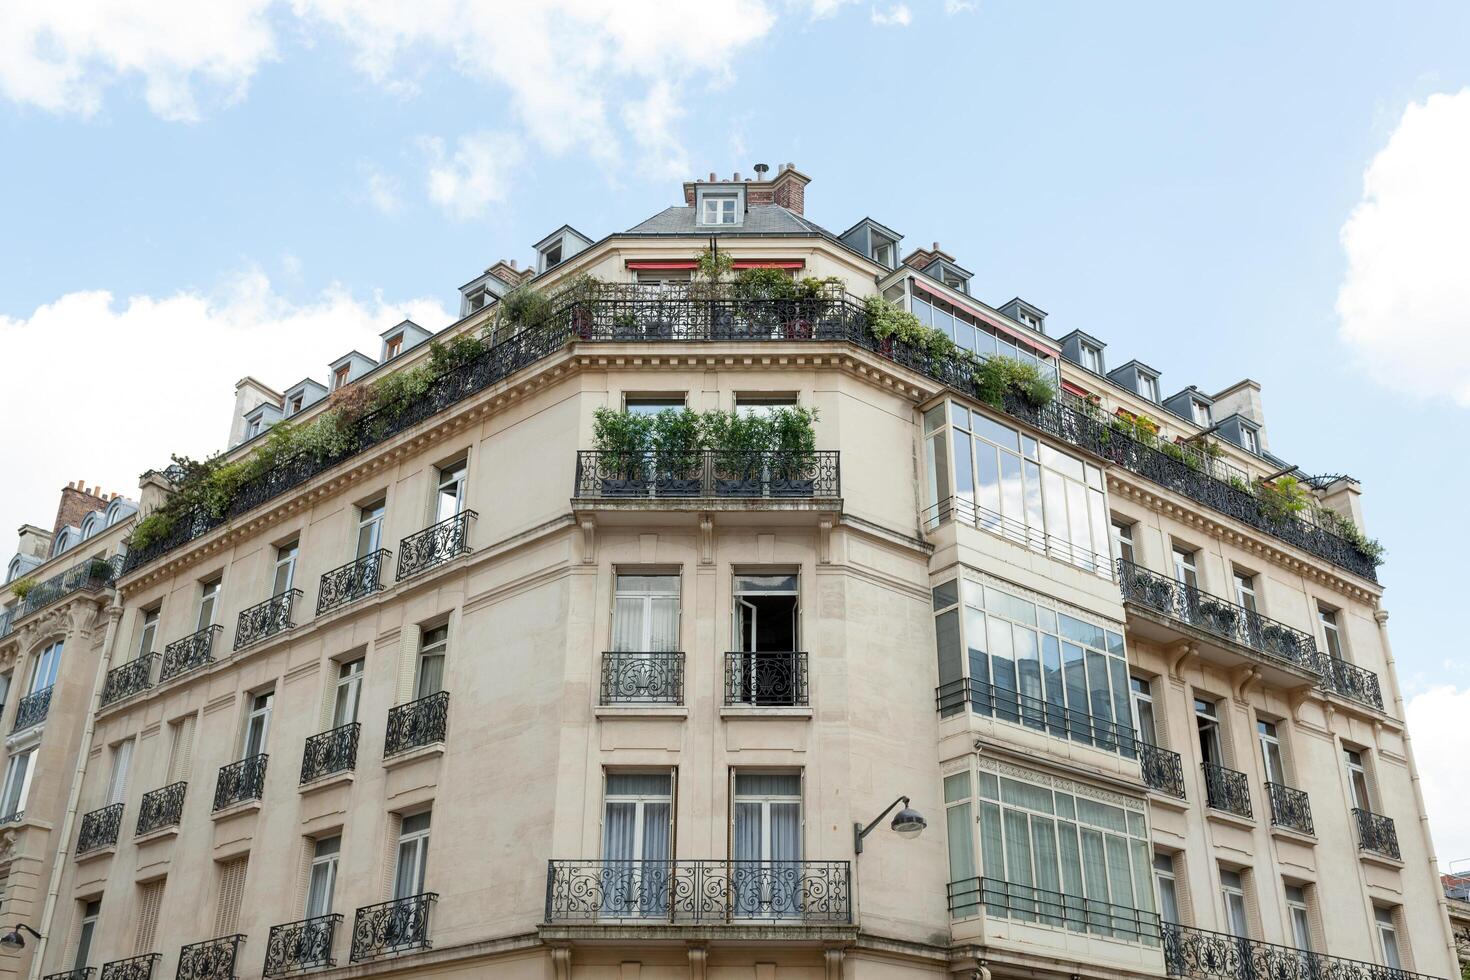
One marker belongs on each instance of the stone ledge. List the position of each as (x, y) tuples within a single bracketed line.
[(795, 932), (346, 776), (413, 755), (800, 712), (641, 711)]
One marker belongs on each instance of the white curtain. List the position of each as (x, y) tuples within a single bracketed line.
[(1095, 877), (628, 624), (619, 844), (431, 674), (663, 624)]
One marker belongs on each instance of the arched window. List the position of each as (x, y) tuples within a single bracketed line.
[(65, 538), (93, 523), (120, 508), (13, 572)]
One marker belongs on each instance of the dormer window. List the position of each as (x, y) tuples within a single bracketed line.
[(393, 347), (883, 252), (252, 428), (296, 404), (1031, 320), (1091, 358), (551, 257), (955, 282), (719, 209), (476, 300), (1249, 440), (1199, 412), (341, 375), (1148, 387)]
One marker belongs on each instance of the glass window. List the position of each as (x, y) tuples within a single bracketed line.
[(1165, 881), (767, 843), (45, 667), (1232, 891), (449, 497), (646, 614), (1092, 358), (1123, 540), (1250, 440), (323, 882), (122, 761), (149, 634), (637, 841), (1148, 387), (719, 209), (90, 911), (1208, 723), (257, 724), (1271, 752), (1296, 908), (285, 568), (393, 347), (767, 613), (1245, 589), (1330, 633), (429, 678), (1199, 412), (413, 856), (883, 252), (340, 376), (640, 405), (1358, 779), (1185, 571), (1388, 936), (370, 528), (348, 692), (17, 785), (1143, 710)]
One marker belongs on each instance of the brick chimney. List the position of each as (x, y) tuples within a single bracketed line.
[(77, 501), (789, 188)]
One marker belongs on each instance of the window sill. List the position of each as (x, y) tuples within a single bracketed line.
[(162, 833), (1168, 800), (1286, 833), (1230, 819), (641, 711), (235, 809), (803, 711), (1382, 860), (97, 852), (343, 778), (413, 755)]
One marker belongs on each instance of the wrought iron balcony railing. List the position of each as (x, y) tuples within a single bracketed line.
[(392, 927), (1376, 833), (1028, 536), (128, 679), (1290, 808), (1026, 903), (1218, 617), (1351, 681), (189, 653), (642, 678), (353, 581), (417, 723), (32, 709), (213, 959), (99, 828), (266, 619), (768, 679), (330, 752), (132, 968), (1228, 790), (92, 575), (80, 973), (708, 474), (298, 946), (1200, 954), (161, 808), (698, 891), (6, 616), (240, 781), (435, 545), (1162, 769), (1022, 709)]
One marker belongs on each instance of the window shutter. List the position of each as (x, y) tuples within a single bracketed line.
[(303, 874), (180, 761), (390, 859), (231, 891), (148, 904), (408, 658)]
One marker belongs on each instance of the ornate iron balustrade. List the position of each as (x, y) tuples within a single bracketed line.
[(754, 474), (266, 619), (435, 545), (14, 817), (5, 618), (1219, 617), (298, 946), (32, 709), (80, 973), (161, 808), (767, 679), (240, 781), (1290, 808), (189, 653), (1026, 903), (1376, 833), (92, 575), (421, 722), (132, 968), (642, 678), (353, 581), (99, 828), (213, 959), (130, 678), (695, 891), (1026, 535), (1162, 769), (330, 752), (1204, 955), (1350, 681), (1022, 709), (1228, 790), (392, 927)]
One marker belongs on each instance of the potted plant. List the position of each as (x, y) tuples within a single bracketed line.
[(675, 438), (99, 570), (794, 461), (623, 438), (739, 442), (23, 586)]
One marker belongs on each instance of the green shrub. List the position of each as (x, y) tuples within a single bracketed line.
[(521, 308), (995, 377), (23, 586), (764, 284), (887, 320), (712, 266), (151, 529), (1284, 499), (621, 432)]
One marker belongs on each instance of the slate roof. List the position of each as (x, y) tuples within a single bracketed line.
[(760, 219)]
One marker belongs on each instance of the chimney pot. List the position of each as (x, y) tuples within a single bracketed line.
[(512, 264), (737, 176), (761, 169), (712, 177), (936, 247)]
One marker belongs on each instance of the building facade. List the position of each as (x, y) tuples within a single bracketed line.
[(473, 688)]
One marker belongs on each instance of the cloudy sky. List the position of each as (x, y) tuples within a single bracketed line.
[(190, 193)]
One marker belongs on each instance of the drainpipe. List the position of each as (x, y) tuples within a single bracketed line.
[(63, 843)]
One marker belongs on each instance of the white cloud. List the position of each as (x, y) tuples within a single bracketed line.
[(1402, 306), (61, 56), (821, 9), (383, 191), (1441, 745), (898, 15), (476, 176), (156, 359), (952, 7)]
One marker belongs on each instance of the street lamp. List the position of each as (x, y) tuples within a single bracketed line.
[(14, 940), (908, 822)]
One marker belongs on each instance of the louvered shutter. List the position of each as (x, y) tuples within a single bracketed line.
[(148, 905), (231, 891)]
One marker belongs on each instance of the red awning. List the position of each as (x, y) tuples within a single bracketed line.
[(769, 264), (661, 265), (1079, 392)]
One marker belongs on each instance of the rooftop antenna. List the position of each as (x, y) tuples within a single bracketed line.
[(760, 170)]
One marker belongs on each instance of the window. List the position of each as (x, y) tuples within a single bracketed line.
[(1148, 387), (413, 855), (44, 668), (1185, 571), (1030, 320), (297, 402), (1357, 779), (257, 724), (1143, 711), (370, 528), (1232, 893), (340, 376), (1271, 755), (719, 209), (767, 613), (1168, 887), (1249, 440), (180, 748), (231, 891), (651, 405), (1199, 412), (117, 782), (449, 498), (252, 428), (1208, 723), (1123, 540), (1245, 589), (637, 833), (323, 881), (1091, 358), (1388, 936), (17, 785), (429, 678), (767, 829), (150, 898), (1297, 911), (149, 633), (646, 614), (208, 599), (90, 911), (883, 252), (959, 823), (285, 568), (476, 299), (551, 256), (1330, 633), (348, 692), (393, 347), (762, 405)]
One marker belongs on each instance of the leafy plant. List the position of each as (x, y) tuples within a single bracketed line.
[(791, 429), (764, 284), (712, 266), (23, 586), (1344, 527), (151, 529), (1285, 499), (995, 377), (521, 308), (888, 320), (621, 432), (99, 568), (675, 435)]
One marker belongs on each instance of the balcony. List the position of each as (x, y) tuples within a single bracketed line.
[(298, 946), (1227, 790), (99, 829), (1056, 720), (161, 808), (81, 973), (330, 752), (1026, 903), (1351, 681), (266, 619), (353, 581), (1290, 808), (642, 678), (1204, 955), (416, 724), (392, 927), (213, 959), (1162, 769), (1376, 834), (1034, 538), (92, 575), (192, 652), (1185, 611), (32, 709), (240, 782), (709, 479), (132, 968), (767, 679), (435, 545), (698, 892), (133, 677)]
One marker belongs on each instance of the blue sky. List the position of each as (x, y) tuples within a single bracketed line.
[(188, 198)]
